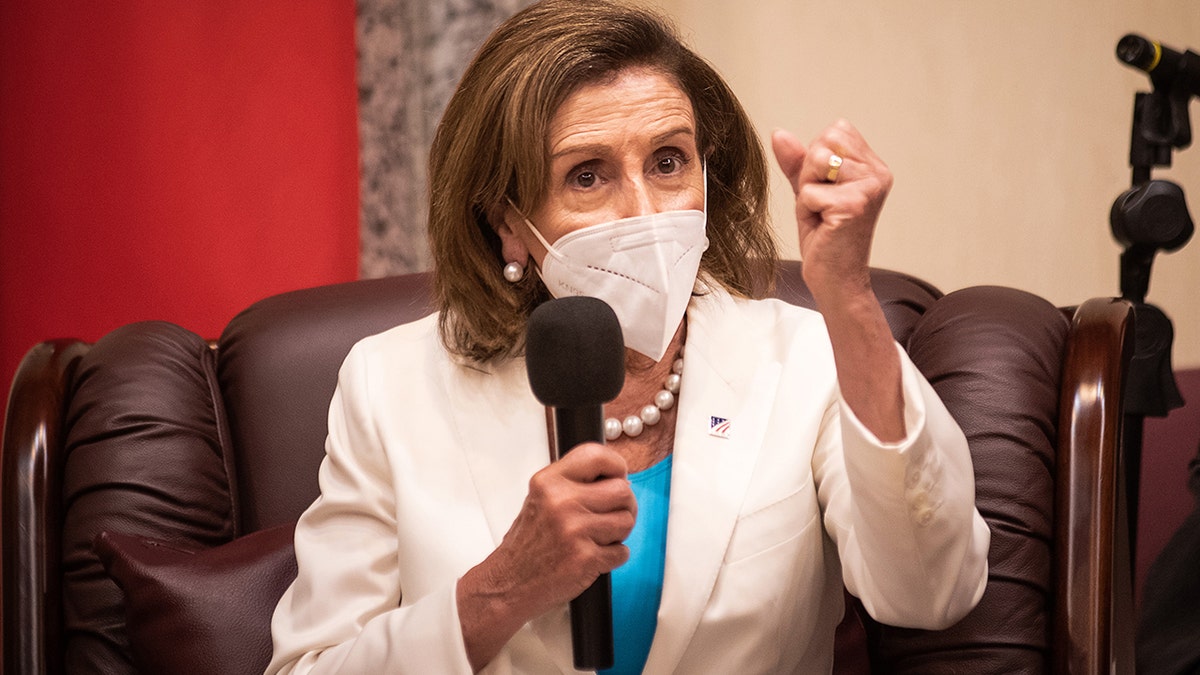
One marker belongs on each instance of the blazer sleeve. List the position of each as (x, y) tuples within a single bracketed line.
[(344, 613), (912, 545)]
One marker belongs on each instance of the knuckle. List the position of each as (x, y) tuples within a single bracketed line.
[(576, 551), (620, 555), (626, 523), (583, 451), (573, 531), (540, 482)]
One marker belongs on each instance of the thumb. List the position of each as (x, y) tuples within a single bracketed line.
[(790, 153)]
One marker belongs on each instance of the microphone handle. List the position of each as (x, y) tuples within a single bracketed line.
[(592, 626), (591, 612)]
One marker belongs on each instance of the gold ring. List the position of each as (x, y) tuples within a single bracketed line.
[(835, 166)]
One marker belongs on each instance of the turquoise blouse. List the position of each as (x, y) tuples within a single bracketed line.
[(637, 585)]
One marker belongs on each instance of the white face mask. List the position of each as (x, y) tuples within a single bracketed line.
[(644, 267)]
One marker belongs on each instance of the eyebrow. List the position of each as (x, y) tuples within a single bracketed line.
[(600, 148)]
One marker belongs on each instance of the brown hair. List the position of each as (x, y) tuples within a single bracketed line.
[(492, 144)]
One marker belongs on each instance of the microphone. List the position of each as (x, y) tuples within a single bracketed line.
[(575, 358), (1167, 68)]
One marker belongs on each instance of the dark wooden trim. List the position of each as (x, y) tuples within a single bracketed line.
[(1087, 502), (30, 509)]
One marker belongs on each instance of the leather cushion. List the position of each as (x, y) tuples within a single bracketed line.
[(199, 612)]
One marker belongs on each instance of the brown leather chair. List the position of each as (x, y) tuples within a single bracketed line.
[(151, 480)]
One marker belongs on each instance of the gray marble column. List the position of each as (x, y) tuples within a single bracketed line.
[(411, 54)]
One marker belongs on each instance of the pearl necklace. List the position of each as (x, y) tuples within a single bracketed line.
[(650, 414)]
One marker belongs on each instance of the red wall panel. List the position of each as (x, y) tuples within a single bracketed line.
[(171, 161)]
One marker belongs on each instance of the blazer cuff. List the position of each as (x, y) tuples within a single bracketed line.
[(913, 390)]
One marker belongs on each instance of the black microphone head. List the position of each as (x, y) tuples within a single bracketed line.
[(1169, 70), (1135, 50), (574, 352)]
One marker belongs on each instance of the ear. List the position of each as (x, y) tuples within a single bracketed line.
[(510, 227)]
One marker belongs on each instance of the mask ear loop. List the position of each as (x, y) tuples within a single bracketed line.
[(704, 165), (549, 249)]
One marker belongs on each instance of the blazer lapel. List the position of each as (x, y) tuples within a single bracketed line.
[(502, 454), (725, 378)]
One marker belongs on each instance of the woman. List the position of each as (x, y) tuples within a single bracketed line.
[(782, 453)]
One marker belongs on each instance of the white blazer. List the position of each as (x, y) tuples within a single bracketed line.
[(428, 462)]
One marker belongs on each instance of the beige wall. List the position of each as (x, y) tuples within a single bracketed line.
[(1006, 123)]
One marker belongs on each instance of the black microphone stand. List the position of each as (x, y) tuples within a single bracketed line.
[(1151, 216)]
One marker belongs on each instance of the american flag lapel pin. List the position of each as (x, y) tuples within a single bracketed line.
[(718, 426)]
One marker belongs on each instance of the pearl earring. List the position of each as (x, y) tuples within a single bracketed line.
[(513, 272)]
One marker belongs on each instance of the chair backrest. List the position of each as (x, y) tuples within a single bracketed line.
[(194, 461)]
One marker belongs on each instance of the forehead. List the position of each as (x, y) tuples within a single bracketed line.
[(634, 99)]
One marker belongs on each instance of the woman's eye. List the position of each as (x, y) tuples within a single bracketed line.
[(669, 164), (585, 179)]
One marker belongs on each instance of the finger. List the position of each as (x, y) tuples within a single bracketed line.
[(844, 139), (610, 528), (609, 558), (827, 163), (588, 462), (608, 495), (616, 555), (790, 154), (842, 134), (859, 190), (837, 155), (821, 198)]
